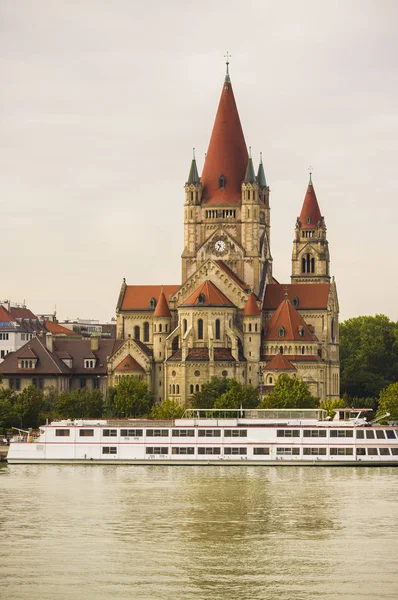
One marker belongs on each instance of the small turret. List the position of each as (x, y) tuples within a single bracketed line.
[(252, 335), (161, 327)]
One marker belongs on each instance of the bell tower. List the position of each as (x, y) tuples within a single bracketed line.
[(310, 257)]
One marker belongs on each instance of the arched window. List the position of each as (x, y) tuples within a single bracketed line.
[(200, 329), (302, 349), (250, 327), (30, 364), (255, 327), (191, 389), (280, 349), (136, 332), (270, 379), (333, 334), (308, 264), (197, 387), (221, 182), (174, 344), (173, 387), (218, 329), (312, 265), (178, 388), (146, 332), (184, 325), (160, 328)]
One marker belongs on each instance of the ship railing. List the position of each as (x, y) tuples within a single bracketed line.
[(277, 414)]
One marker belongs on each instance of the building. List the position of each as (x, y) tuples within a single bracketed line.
[(18, 325), (87, 327), (228, 316), (63, 363)]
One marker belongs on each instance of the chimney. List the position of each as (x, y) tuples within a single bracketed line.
[(94, 341), (49, 342)]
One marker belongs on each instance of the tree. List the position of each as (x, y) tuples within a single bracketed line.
[(368, 355), (289, 392), (132, 398), (168, 409), (388, 402), (238, 395), (28, 406), (7, 415), (331, 405), (210, 392), (79, 404)]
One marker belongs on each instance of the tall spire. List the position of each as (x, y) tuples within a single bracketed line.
[(310, 215), (250, 176), (193, 176), (227, 158), (262, 182)]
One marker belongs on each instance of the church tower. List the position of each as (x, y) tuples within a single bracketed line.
[(226, 212), (310, 258)]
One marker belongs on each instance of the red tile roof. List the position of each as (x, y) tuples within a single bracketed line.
[(279, 362), (310, 209), (287, 318), (5, 316), (227, 154), (211, 296), (202, 355), (310, 296), (26, 352), (295, 357), (129, 364), (162, 308), (233, 275), (251, 307), (58, 329), (137, 297), (22, 313)]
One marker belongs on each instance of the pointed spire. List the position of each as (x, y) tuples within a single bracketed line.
[(193, 176), (262, 182), (250, 176), (310, 215), (162, 307), (227, 154), (251, 307)]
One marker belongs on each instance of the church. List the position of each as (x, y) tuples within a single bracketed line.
[(229, 317)]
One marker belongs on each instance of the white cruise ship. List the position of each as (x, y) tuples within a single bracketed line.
[(204, 437)]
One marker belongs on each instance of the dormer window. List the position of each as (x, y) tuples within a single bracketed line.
[(89, 363), (221, 182), (308, 220), (27, 364), (201, 299), (301, 331), (295, 302), (152, 303), (281, 332)]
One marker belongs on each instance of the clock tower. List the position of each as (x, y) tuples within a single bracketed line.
[(226, 212)]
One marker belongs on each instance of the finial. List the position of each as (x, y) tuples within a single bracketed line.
[(227, 56), (310, 170), (194, 157), (250, 151), (286, 294), (261, 158)]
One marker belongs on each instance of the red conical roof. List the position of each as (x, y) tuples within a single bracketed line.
[(310, 210), (162, 308), (286, 319), (227, 154), (251, 307), (280, 363)]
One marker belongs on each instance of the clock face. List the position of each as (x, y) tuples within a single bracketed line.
[(220, 246)]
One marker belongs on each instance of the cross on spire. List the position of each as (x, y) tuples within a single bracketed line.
[(310, 170), (227, 56)]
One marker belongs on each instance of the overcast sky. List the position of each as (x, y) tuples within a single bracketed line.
[(102, 102)]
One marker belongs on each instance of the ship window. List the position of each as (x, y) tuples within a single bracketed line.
[(235, 433), (183, 433), (235, 450), (209, 433), (314, 451), (86, 432), (62, 432), (370, 435), (372, 451), (288, 433), (209, 450), (341, 451), (314, 433), (394, 451), (157, 432), (131, 432), (390, 434), (384, 452), (360, 434), (288, 451), (260, 451), (340, 433), (109, 432), (361, 451), (109, 450), (182, 450), (380, 434), (157, 450)]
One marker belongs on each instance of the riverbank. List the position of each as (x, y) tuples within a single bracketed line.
[(3, 452)]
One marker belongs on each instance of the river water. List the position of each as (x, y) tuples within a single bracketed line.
[(153, 532)]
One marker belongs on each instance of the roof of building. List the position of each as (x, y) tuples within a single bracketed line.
[(233, 275), (58, 329), (286, 325), (251, 307), (5, 316), (129, 364), (51, 363), (279, 362), (250, 175), (162, 308), (21, 313), (295, 357), (26, 352), (137, 297), (304, 296), (261, 180), (193, 176), (227, 154), (207, 294), (310, 210)]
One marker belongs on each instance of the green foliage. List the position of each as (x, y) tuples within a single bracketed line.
[(79, 404), (132, 398), (331, 405), (211, 391), (238, 395), (28, 406), (7, 415), (388, 402), (289, 392), (109, 400), (168, 409), (368, 354)]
